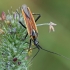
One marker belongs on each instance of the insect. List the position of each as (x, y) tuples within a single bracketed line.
[(32, 30)]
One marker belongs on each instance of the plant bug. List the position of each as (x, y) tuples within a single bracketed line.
[(32, 30)]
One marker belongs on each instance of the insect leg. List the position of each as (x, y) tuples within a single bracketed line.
[(35, 54), (23, 48), (29, 45), (25, 28), (25, 36), (22, 24), (37, 17), (19, 20), (28, 48)]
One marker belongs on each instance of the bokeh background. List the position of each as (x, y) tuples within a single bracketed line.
[(57, 11)]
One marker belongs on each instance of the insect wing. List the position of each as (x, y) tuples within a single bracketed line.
[(29, 20), (33, 24), (25, 9)]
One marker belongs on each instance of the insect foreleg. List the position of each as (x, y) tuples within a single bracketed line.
[(22, 24), (35, 54)]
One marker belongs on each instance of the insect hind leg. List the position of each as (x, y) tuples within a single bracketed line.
[(37, 16)]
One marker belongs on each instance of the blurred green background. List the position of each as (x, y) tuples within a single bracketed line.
[(57, 11)]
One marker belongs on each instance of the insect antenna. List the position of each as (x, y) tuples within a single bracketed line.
[(54, 53)]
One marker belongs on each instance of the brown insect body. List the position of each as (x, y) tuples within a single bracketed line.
[(30, 23)]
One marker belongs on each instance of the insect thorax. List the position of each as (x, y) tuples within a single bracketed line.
[(34, 36)]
